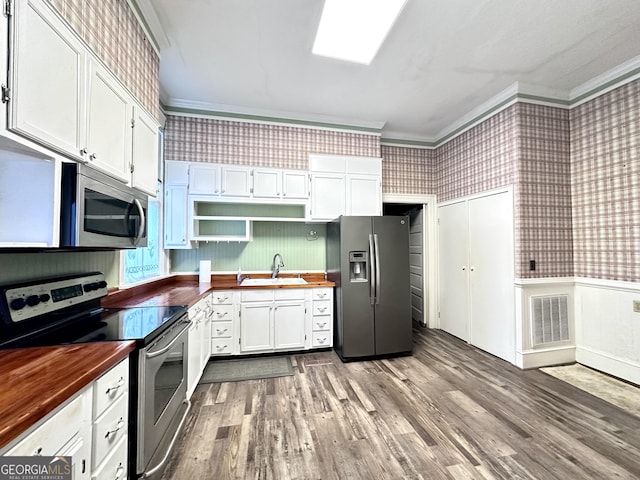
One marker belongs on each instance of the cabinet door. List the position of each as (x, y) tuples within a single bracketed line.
[(194, 358), (364, 195), (294, 184), (176, 173), (145, 159), (327, 196), (49, 65), (288, 326), (453, 268), (109, 127), (204, 179), (256, 327), (267, 183), (205, 335), (236, 181), (175, 217)]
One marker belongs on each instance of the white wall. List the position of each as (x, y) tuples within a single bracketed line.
[(607, 328)]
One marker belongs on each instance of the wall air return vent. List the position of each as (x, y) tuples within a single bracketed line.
[(549, 319)]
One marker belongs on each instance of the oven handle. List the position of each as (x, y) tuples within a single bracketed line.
[(143, 222), (157, 353)]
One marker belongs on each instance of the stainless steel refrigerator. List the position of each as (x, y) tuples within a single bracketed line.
[(368, 259)]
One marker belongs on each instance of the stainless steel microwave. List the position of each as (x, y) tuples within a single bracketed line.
[(98, 211)]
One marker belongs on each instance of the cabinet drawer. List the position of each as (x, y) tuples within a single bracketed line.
[(222, 329), (222, 313), (221, 298), (221, 346), (51, 436), (256, 295), (109, 387), (322, 294), (109, 429), (320, 324), (321, 339), (114, 466), (322, 308), (289, 294)]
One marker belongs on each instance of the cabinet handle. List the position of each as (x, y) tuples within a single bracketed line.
[(115, 430), (221, 347), (93, 156), (321, 325), (220, 315), (119, 472), (472, 269), (321, 295), (116, 387), (38, 452), (83, 151), (220, 331), (222, 299), (322, 309), (464, 269), (322, 340)]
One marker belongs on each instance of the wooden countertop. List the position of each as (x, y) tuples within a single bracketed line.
[(35, 381), (185, 290)]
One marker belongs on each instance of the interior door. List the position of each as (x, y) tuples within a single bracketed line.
[(416, 273), (491, 274), (453, 264)]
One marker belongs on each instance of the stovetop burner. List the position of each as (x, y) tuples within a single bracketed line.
[(76, 315)]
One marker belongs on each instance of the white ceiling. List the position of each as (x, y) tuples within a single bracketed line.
[(442, 59)]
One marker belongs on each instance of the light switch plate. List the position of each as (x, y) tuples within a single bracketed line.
[(636, 306)]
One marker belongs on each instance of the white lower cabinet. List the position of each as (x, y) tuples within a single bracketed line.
[(198, 339), (91, 427), (283, 319), (224, 324)]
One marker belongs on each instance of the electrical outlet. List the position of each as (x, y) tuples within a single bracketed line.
[(636, 306)]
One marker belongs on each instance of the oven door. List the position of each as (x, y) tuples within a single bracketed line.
[(98, 211), (162, 399)]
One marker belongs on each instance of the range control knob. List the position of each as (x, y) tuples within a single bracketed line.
[(102, 284), (88, 287), (33, 300), (17, 303), (45, 297)]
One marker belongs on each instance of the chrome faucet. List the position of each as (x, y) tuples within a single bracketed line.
[(275, 267)]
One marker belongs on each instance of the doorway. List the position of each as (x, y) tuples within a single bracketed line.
[(421, 212)]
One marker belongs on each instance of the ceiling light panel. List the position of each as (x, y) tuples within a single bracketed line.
[(353, 30)]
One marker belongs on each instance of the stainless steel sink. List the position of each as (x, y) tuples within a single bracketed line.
[(261, 282)]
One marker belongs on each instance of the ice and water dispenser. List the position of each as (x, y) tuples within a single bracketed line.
[(358, 266)]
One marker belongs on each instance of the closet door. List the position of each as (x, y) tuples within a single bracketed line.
[(453, 282), (491, 267)]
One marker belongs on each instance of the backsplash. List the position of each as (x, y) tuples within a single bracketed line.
[(111, 30), (290, 239), (15, 267), (605, 185)]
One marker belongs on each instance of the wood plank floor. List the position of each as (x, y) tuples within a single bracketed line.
[(449, 411)]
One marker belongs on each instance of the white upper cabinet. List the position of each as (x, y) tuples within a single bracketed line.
[(63, 98), (47, 80), (295, 184), (204, 179), (236, 182), (176, 173), (109, 125), (267, 183), (344, 185), (145, 158)]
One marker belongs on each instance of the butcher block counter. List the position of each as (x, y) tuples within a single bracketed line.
[(35, 381), (185, 289)]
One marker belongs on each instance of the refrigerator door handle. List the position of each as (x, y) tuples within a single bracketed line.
[(377, 266), (372, 270)]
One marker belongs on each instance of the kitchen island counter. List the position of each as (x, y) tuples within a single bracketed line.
[(35, 381)]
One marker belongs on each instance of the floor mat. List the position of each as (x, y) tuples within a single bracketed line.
[(624, 395), (246, 369)]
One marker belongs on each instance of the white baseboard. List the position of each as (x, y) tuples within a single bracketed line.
[(545, 357), (607, 363)]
